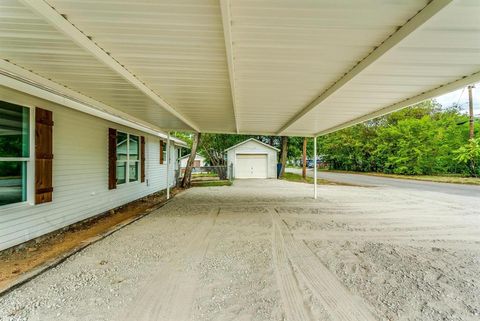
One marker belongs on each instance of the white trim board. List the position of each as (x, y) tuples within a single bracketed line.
[(19, 79)]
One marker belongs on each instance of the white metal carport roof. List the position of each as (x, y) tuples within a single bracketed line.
[(290, 67)]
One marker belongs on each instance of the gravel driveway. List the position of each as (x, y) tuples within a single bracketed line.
[(265, 250)]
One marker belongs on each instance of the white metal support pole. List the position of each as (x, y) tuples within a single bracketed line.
[(168, 166), (315, 167)]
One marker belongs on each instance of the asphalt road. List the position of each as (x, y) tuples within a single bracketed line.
[(359, 179)]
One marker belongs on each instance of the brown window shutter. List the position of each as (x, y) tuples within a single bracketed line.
[(161, 152), (142, 159), (43, 155), (112, 158)]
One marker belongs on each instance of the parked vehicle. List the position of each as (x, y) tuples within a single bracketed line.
[(320, 162)]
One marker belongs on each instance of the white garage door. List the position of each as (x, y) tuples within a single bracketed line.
[(251, 166)]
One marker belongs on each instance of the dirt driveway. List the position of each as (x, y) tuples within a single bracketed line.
[(265, 250)]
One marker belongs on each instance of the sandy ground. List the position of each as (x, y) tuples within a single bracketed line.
[(18, 261), (265, 250)]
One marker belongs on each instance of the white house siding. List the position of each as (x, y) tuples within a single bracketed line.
[(253, 147), (80, 174)]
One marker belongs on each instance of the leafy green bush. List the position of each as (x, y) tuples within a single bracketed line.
[(420, 140), (469, 155)]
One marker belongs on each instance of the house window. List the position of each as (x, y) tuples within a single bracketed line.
[(128, 158), (164, 151), (14, 152)]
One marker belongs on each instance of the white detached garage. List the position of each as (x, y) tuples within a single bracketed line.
[(253, 159)]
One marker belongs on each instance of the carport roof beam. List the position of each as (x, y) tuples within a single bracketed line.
[(393, 40), (315, 190), (227, 34), (460, 83), (73, 33)]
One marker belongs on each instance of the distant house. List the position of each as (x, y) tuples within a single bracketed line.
[(198, 162), (253, 159)]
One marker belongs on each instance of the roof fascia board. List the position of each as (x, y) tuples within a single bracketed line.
[(14, 77)]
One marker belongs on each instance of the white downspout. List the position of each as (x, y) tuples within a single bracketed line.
[(315, 167), (168, 166)]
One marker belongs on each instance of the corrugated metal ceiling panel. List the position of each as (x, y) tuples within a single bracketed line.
[(176, 47), (29, 42), (285, 54), (446, 49)]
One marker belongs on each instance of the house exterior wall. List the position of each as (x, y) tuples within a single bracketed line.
[(80, 174), (252, 147)]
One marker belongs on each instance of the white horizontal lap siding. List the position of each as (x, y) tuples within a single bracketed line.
[(253, 147), (80, 175)]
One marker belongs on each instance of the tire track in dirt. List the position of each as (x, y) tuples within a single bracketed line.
[(289, 290), (339, 303), (170, 293), (454, 234)]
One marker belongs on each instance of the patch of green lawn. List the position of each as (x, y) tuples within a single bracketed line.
[(292, 177), (211, 183), (204, 175), (454, 179)]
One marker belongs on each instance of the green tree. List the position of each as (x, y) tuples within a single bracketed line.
[(416, 140), (213, 146), (469, 155)]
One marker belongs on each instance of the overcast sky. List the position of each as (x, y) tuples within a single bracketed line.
[(461, 96)]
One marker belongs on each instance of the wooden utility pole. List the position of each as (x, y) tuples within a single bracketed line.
[(284, 154), (470, 111), (188, 170), (304, 158)]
